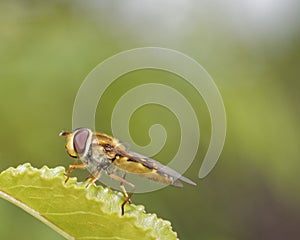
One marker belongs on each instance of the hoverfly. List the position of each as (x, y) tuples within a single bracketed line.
[(100, 152)]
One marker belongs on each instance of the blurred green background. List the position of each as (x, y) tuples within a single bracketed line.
[(250, 48)]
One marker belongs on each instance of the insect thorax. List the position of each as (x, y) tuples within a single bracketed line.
[(96, 159)]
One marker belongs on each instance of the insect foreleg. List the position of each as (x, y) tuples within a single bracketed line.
[(72, 167)]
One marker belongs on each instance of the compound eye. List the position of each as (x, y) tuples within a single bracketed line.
[(80, 140)]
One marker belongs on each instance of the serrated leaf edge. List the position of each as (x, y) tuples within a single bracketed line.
[(92, 193)]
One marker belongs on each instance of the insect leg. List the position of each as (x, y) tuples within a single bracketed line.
[(93, 179), (121, 180), (88, 177), (72, 167), (123, 188)]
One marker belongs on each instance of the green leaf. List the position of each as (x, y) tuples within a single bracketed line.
[(77, 212)]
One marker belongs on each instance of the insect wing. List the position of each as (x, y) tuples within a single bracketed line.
[(157, 166)]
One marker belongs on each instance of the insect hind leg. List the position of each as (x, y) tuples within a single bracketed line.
[(123, 188), (122, 182)]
